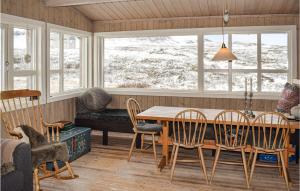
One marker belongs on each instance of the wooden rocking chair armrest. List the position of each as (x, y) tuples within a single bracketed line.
[(16, 134), (48, 125)]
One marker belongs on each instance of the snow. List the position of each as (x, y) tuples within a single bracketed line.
[(166, 62), (171, 62)]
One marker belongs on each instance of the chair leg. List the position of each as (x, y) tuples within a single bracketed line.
[(250, 158), (174, 161), (284, 170), (202, 163), (154, 147), (70, 170), (279, 164), (36, 179), (215, 163), (132, 145), (253, 166), (172, 155), (245, 167), (142, 141)]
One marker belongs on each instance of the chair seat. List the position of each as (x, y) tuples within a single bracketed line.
[(149, 127), (49, 153)]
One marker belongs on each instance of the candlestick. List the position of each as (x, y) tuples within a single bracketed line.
[(250, 85), (246, 85)]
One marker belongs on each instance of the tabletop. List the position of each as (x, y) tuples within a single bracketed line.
[(165, 113)]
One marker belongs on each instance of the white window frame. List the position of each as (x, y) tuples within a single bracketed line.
[(86, 66), (9, 21), (292, 57)]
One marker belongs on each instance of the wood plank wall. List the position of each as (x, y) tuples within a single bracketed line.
[(35, 9), (60, 110), (119, 101)]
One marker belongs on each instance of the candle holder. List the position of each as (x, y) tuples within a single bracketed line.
[(248, 105), (250, 111)]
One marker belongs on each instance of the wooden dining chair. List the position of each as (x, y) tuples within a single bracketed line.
[(270, 136), (231, 132), (140, 127), (189, 128), (23, 108)]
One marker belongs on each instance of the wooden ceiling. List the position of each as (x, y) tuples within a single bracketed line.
[(107, 10)]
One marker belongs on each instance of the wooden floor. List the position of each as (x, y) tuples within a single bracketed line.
[(106, 168)]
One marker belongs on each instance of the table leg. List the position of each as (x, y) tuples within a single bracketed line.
[(286, 158), (165, 146)]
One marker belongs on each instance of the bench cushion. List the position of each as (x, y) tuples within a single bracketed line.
[(149, 127), (106, 115)]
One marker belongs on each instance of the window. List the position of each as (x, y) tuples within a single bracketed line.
[(68, 60), (21, 53), (162, 62), (183, 61)]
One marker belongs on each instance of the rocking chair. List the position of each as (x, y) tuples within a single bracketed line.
[(22, 109)]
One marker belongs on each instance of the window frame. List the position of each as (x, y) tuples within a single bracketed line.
[(85, 64), (8, 22), (200, 32)]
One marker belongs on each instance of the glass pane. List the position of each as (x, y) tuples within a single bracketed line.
[(54, 83), (212, 44), (2, 59), (216, 81), (54, 51), (24, 82), (244, 46), (238, 81), (163, 62), (273, 82), (23, 49), (274, 51), (72, 56)]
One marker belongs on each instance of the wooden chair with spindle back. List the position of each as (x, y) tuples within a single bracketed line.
[(22, 107), (231, 134), (189, 128), (140, 126), (270, 136)]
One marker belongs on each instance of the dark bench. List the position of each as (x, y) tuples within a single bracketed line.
[(114, 120)]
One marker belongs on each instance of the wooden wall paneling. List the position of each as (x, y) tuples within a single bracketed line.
[(35, 9)]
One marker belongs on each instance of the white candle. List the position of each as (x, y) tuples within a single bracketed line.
[(246, 85), (251, 85)]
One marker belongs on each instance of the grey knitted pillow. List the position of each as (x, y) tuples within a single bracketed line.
[(94, 99)]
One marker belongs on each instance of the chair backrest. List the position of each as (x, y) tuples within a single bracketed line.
[(133, 108), (231, 128), (189, 127), (22, 107), (270, 131)]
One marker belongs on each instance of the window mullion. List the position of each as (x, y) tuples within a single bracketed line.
[(61, 62), (259, 80), (200, 63), (230, 64)]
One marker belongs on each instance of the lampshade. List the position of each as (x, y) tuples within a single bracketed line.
[(224, 54)]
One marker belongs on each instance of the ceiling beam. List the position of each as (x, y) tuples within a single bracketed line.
[(63, 3)]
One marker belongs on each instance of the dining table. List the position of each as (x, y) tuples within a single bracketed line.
[(165, 114)]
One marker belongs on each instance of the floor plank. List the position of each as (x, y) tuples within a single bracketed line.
[(106, 168)]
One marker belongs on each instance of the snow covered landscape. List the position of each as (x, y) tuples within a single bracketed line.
[(171, 62), (167, 62)]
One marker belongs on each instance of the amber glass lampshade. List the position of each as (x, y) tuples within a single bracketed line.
[(224, 54)]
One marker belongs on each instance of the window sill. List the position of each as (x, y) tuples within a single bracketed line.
[(191, 93), (64, 96)]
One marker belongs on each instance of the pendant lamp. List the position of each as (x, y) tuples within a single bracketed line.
[(224, 54)]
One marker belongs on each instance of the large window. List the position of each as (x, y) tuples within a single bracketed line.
[(21, 53), (162, 62), (68, 61), (184, 61)]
